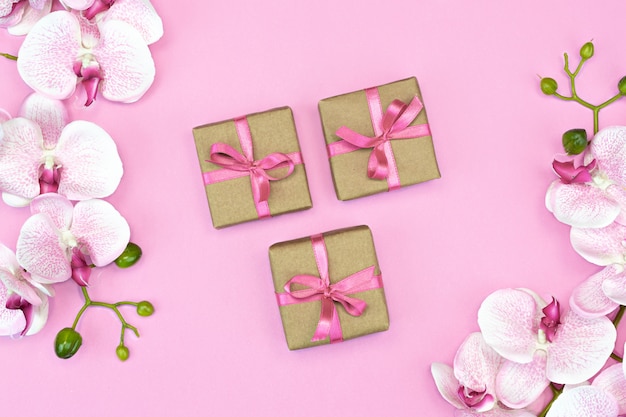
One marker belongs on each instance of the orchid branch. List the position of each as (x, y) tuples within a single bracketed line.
[(8, 56)]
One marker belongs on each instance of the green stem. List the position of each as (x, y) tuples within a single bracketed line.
[(8, 56), (619, 315), (616, 357), (555, 395)]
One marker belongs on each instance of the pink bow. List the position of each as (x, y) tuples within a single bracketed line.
[(239, 164), (320, 289), (393, 124)]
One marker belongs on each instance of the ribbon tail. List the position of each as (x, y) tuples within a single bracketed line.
[(328, 321), (378, 164), (260, 187)]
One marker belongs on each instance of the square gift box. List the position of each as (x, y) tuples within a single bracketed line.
[(252, 167), (329, 287), (378, 139)]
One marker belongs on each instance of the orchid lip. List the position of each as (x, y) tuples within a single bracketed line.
[(551, 321), (476, 400), (98, 6)]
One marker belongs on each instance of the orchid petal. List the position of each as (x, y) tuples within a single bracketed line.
[(91, 166), (6, 6), (34, 13), (101, 230), (614, 288), (446, 383), (476, 364), (4, 116), (20, 157), (48, 53), (39, 317), (589, 300), (58, 208), (78, 4), (13, 16), (141, 15), (49, 114), (602, 246), (613, 381), (519, 384), (126, 62), (20, 287), (15, 200), (506, 319), (580, 348), (584, 401), (12, 322), (495, 412), (609, 148), (581, 205), (40, 252)]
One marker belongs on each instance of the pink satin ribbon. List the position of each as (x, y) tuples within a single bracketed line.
[(392, 125), (320, 289), (237, 164)]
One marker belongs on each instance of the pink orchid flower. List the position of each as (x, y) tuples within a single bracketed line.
[(39, 153), (23, 302), (63, 48), (592, 193), (604, 291), (138, 13), (19, 16), (59, 241), (470, 385), (541, 345), (605, 397)]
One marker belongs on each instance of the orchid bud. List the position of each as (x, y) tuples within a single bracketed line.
[(67, 343), (145, 308), (122, 352), (621, 86), (548, 86), (575, 141), (129, 256), (586, 51)]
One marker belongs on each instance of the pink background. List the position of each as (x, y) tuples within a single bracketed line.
[(215, 345)]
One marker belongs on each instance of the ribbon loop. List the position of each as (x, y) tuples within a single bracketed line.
[(320, 289)]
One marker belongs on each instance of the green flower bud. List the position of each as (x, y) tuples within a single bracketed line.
[(145, 308), (575, 141), (130, 256), (586, 51), (621, 86), (67, 343), (122, 352), (548, 86)]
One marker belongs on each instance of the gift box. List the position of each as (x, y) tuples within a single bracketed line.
[(252, 167), (378, 139), (329, 287)]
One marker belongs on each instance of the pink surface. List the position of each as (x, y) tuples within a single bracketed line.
[(215, 345)]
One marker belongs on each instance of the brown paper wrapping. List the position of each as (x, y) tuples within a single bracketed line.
[(415, 158), (349, 250), (231, 201)]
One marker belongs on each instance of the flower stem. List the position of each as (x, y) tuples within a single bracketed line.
[(618, 316), (8, 56), (555, 394)]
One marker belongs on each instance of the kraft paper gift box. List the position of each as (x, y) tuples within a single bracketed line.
[(252, 167), (329, 287), (378, 139)]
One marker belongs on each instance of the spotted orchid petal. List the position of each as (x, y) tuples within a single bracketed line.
[(20, 157), (581, 205), (125, 60), (31, 15), (15, 279), (49, 114), (476, 364), (4, 116), (91, 166), (11, 12), (508, 320), (15, 200), (140, 14), (12, 322), (589, 299), (580, 349), (101, 230), (520, 384), (446, 383), (603, 246), (613, 381), (609, 148), (56, 207), (615, 288), (584, 401), (77, 4), (6, 6)]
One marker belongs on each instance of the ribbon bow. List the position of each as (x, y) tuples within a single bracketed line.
[(228, 157), (394, 124), (320, 289)]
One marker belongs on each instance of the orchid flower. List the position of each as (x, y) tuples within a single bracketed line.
[(541, 345), (470, 385), (604, 291), (23, 302), (39, 153), (591, 193), (138, 13), (605, 397), (63, 48), (19, 16), (59, 241)]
